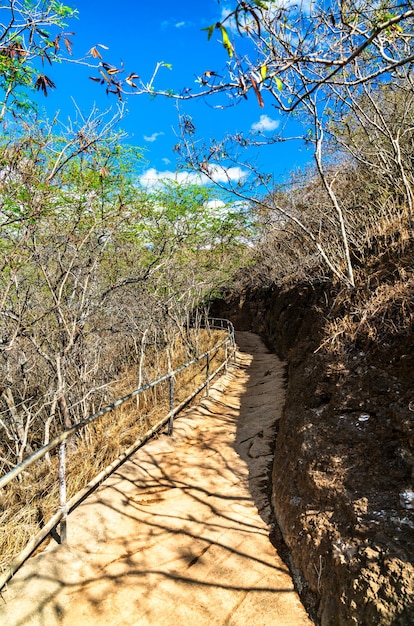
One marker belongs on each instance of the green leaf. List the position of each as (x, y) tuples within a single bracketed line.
[(263, 71), (224, 34), (210, 31), (61, 9), (226, 41), (279, 83)]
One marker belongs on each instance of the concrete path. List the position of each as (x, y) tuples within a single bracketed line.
[(180, 533)]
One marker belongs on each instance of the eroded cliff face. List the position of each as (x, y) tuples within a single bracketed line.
[(344, 458)]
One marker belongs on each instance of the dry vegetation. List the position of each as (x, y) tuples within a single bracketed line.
[(388, 312), (101, 286), (368, 172), (343, 474), (29, 501)]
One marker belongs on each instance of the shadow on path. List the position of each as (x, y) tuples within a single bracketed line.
[(175, 536)]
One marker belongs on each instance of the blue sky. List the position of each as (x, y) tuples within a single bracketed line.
[(139, 34)]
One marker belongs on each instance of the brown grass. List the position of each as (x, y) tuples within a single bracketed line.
[(380, 310)]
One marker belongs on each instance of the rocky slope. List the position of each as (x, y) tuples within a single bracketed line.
[(344, 459)]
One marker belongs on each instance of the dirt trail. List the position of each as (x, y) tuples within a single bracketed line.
[(180, 533)]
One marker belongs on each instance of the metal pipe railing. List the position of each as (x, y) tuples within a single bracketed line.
[(65, 506), (4, 480)]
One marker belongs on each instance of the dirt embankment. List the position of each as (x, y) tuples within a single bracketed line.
[(344, 459)]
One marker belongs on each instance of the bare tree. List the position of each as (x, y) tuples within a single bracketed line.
[(92, 266), (292, 50)]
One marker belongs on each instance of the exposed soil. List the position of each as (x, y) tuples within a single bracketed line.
[(180, 533), (343, 472)]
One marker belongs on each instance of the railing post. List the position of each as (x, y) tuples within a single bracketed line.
[(208, 375), (225, 357), (233, 341), (62, 491), (171, 420)]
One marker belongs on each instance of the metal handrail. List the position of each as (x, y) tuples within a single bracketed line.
[(41, 452), (60, 440)]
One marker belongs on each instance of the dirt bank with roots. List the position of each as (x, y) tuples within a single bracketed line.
[(343, 490)]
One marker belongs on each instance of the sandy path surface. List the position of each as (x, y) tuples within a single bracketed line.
[(180, 533)]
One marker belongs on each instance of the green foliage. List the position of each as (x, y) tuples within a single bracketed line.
[(62, 12), (87, 259), (33, 33), (224, 35), (226, 41)]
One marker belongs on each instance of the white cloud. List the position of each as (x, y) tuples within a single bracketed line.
[(226, 175), (166, 161), (270, 14), (153, 177), (215, 203), (229, 24), (217, 208), (173, 24), (152, 137), (264, 124), (273, 12)]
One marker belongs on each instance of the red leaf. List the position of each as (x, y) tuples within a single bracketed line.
[(44, 83), (257, 92), (95, 53), (105, 77), (68, 45)]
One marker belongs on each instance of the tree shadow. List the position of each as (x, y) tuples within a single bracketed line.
[(174, 529)]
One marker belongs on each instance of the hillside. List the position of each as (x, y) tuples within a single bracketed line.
[(343, 469), (293, 203)]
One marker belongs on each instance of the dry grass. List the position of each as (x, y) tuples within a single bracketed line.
[(372, 316), (29, 501)]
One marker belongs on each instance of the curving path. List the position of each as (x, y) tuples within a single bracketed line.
[(180, 533)]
